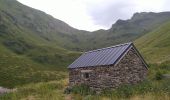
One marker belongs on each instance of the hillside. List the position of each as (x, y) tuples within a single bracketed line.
[(155, 46), (38, 27), (25, 56), (21, 64), (131, 29), (44, 29)]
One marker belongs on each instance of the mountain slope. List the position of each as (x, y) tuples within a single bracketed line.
[(131, 29), (25, 56), (39, 25), (22, 62), (44, 29), (156, 45)]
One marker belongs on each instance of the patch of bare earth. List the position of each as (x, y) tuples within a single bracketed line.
[(68, 97)]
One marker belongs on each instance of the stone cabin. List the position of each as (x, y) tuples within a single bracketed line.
[(108, 67)]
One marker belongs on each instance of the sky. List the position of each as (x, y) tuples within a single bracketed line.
[(92, 15)]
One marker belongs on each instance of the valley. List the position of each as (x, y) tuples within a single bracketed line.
[(36, 48)]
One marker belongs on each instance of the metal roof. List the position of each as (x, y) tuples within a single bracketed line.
[(104, 56)]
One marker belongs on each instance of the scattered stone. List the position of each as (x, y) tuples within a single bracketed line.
[(166, 75), (5, 90)]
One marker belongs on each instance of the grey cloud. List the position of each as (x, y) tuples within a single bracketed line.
[(166, 6), (107, 15)]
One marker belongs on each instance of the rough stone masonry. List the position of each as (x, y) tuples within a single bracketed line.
[(129, 70)]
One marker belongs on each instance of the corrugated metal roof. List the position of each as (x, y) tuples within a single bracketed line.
[(104, 56)]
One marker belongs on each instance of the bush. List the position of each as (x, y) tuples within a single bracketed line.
[(128, 90), (143, 87), (67, 90), (158, 75), (82, 90), (125, 91)]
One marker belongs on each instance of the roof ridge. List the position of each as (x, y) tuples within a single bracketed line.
[(118, 45)]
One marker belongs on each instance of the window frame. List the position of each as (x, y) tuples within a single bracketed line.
[(85, 74)]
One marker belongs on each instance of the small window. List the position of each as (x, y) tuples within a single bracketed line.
[(85, 75)]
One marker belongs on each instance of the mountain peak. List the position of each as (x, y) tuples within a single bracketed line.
[(139, 15), (120, 22)]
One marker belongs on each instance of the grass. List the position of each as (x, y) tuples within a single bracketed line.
[(31, 65), (25, 56), (28, 59), (155, 87), (18, 70), (41, 91), (150, 89), (82, 90), (155, 45), (54, 90)]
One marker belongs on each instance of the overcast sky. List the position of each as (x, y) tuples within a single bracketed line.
[(96, 14)]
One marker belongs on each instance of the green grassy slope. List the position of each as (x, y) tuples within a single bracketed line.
[(22, 62), (54, 90), (155, 46), (36, 65), (26, 58), (39, 27)]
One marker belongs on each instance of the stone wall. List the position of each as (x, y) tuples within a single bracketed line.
[(129, 70)]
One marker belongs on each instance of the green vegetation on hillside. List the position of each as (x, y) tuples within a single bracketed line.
[(44, 29), (25, 60), (22, 69), (25, 56), (155, 46), (54, 90)]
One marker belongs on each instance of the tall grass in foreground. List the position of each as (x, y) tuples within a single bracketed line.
[(147, 89), (154, 88), (42, 91), (54, 90)]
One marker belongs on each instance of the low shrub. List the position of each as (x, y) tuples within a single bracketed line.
[(158, 75), (128, 90), (125, 91), (82, 90)]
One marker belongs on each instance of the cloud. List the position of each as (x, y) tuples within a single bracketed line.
[(73, 12), (107, 13), (166, 6)]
